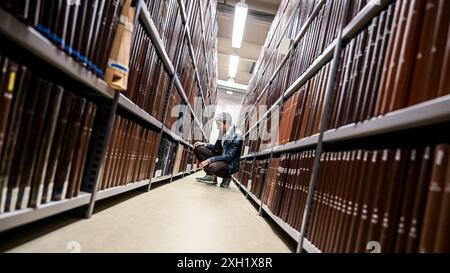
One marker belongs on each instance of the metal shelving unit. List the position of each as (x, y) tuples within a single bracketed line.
[(309, 247), (355, 25), (297, 39), (137, 111), (161, 178), (184, 97), (177, 175), (144, 15), (154, 35), (13, 219), (30, 39), (287, 228), (120, 189), (184, 18), (294, 234), (424, 114)]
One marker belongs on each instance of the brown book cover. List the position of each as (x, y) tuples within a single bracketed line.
[(376, 58), (82, 143), (67, 154), (7, 87), (320, 105), (23, 146), (358, 200), (85, 148), (338, 88), (116, 153), (407, 199), (391, 16), (315, 106), (104, 22), (90, 20), (11, 138), (101, 11), (319, 200), (430, 55), (324, 241), (107, 161), (406, 63), (391, 61), (444, 81), (51, 121), (432, 208), (341, 161), (354, 78), (62, 21), (341, 211), (347, 207), (37, 134), (342, 103), (71, 26), (124, 161), (442, 241), (389, 214), (366, 204), (420, 198), (56, 146), (110, 33), (379, 196)]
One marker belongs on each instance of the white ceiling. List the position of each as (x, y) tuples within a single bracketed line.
[(256, 29)]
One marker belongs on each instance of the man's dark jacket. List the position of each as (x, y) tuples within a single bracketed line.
[(232, 144)]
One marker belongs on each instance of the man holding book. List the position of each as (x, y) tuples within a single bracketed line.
[(223, 158)]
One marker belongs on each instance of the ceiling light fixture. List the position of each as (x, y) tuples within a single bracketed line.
[(240, 16)]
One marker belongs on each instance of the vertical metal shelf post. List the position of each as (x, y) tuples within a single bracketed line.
[(101, 136), (319, 148)]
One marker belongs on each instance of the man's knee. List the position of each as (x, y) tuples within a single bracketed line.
[(218, 168)]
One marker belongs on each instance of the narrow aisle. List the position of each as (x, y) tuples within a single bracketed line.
[(185, 216)]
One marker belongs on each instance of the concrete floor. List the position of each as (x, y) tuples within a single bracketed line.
[(184, 216)]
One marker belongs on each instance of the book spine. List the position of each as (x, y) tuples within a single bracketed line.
[(432, 208)]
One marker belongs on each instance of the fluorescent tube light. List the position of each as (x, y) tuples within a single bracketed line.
[(233, 66), (239, 24)]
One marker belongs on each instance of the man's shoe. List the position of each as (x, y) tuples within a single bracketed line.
[(225, 183), (209, 179)]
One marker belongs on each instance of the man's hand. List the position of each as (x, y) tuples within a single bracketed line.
[(205, 163), (198, 143)]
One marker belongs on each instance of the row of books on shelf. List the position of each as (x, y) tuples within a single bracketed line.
[(148, 80), (211, 29), (320, 33), (174, 158), (45, 132), (84, 31), (283, 18), (398, 197), (295, 15), (400, 60), (372, 78), (196, 30), (133, 151), (97, 22), (130, 154), (166, 15)]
